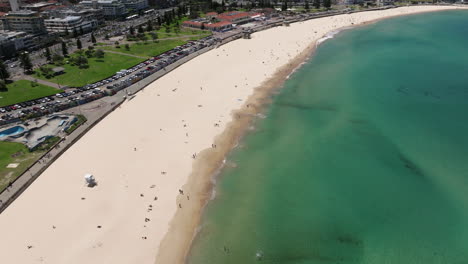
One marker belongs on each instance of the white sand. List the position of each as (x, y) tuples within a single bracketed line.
[(123, 174)]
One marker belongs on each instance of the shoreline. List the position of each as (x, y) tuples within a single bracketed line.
[(141, 155), (185, 225)]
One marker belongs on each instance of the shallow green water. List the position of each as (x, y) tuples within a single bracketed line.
[(363, 156)]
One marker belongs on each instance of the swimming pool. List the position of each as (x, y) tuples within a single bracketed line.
[(11, 131)]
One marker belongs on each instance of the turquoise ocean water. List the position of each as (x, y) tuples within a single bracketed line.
[(363, 156)]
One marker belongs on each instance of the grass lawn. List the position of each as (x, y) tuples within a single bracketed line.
[(183, 31), (12, 152), (22, 90), (98, 69), (149, 49)]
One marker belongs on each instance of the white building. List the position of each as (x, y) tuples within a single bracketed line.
[(27, 21), (112, 8), (94, 16), (136, 4), (67, 24)]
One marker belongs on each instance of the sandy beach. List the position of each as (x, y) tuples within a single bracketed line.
[(154, 156)]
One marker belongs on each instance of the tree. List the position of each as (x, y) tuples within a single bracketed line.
[(4, 74), (154, 36), (75, 33), (127, 47), (81, 30), (306, 7), (284, 6), (132, 30), (25, 62), (159, 21), (57, 59), (46, 71), (82, 62), (327, 3), (140, 29), (99, 53), (316, 4), (149, 26), (64, 49), (47, 54), (168, 29), (93, 39), (202, 26), (67, 32), (78, 43), (89, 53), (3, 86)]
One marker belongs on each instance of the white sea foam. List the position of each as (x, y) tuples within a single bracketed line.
[(329, 35)]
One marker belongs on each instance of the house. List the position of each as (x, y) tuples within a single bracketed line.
[(192, 24), (219, 26), (235, 17)]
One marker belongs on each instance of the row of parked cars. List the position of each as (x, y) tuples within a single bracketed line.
[(153, 65), (108, 86)]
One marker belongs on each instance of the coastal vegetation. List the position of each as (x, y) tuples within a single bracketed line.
[(74, 126), (47, 144), (81, 69), (23, 90)]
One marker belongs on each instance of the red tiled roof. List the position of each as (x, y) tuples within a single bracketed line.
[(233, 15), (2, 13), (51, 7), (218, 24)]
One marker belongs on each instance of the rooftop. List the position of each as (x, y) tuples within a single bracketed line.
[(233, 15), (58, 69), (65, 19), (37, 5), (21, 13), (218, 24)]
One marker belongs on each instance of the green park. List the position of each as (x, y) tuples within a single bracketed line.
[(17, 154), (23, 90)]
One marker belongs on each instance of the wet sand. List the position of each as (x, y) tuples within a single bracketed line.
[(154, 156)]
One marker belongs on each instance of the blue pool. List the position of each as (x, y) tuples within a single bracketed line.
[(11, 131)]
